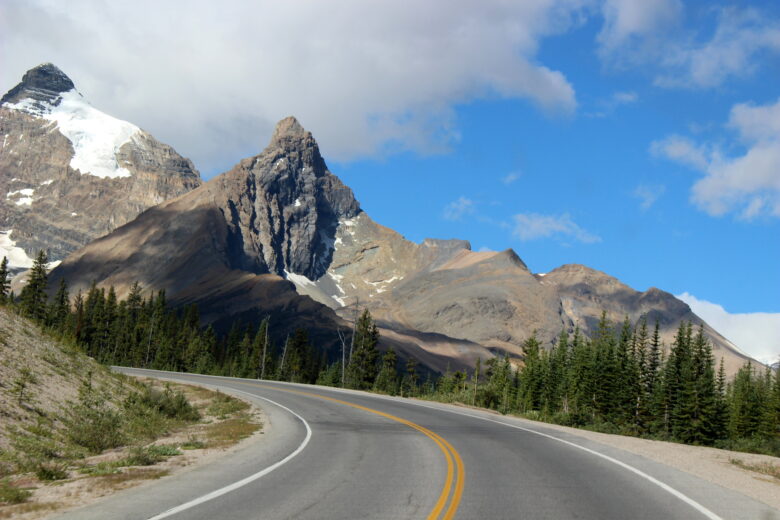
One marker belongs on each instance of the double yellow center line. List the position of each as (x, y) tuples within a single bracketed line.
[(453, 485)]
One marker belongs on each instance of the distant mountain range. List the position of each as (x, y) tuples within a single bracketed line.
[(278, 235)]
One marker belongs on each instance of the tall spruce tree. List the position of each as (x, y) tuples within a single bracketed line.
[(5, 283), (362, 368), (386, 381), (33, 295)]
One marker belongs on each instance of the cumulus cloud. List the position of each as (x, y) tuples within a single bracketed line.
[(367, 78), (458, 209), (739, 39), (641, 33), (648, 194), (532, 226), (682, 150), (749, 182), (628, 23), (757, 334)]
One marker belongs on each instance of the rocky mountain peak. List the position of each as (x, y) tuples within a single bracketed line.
[(288, 128), (283, 207), (43, 84)]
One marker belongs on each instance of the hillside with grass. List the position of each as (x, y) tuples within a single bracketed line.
[(71, 430)]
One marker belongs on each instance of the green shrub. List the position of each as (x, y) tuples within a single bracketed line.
[(51, 471), (170, 404), (149, 455), (12, 495), (96, 427)]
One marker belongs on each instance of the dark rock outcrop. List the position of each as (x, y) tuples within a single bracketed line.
[(43, 85)]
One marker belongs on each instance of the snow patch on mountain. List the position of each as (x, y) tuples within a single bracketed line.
[(297, 279), (24, 200), (96, 136), (17, 258)]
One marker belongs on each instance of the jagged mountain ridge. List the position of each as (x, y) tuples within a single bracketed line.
[(229, 245), (70, 173)]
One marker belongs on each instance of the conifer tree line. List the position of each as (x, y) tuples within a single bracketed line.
[(146, 332), (620, 380)]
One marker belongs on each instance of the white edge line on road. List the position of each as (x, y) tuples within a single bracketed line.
[(243, 482), (666, 487)]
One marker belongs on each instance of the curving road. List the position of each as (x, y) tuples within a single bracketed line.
[(337, 454)]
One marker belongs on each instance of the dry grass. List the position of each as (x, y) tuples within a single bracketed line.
[(22, 509), (230, 431), (119, 480), (764, 468)]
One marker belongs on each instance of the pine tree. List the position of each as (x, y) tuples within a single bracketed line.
[(362, 368), (33, 296), (5, 283), (720, 417), (60, 308), (409, 381), (695, 411), (531, 377), (386, 381), (643, 396), (606, 391)]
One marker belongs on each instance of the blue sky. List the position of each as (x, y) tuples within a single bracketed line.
[(638, 137)]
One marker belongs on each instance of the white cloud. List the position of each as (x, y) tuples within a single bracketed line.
[(628, 22), (648, 194), (739, 38), (682, 150), (747, 183), (367, 78), (510, 177), (458, 209), (643, 32), (531, 226), (757, 334)]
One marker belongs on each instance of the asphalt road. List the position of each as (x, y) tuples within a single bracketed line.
[(336, 454)]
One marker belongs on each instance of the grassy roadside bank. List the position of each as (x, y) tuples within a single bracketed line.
[(196, 421), (72, 431)]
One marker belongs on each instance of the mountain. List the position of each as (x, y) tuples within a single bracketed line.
[(70, 173), (280, 235)]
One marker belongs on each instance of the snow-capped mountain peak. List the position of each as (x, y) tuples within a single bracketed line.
[(96, 137)]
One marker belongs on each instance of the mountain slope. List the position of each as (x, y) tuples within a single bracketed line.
[(70, 173), (230, 244)]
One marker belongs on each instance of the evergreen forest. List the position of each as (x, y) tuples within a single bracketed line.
[(621, 380)]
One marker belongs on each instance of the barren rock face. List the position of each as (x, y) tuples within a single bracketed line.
[(69, 173), (282, 207)]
